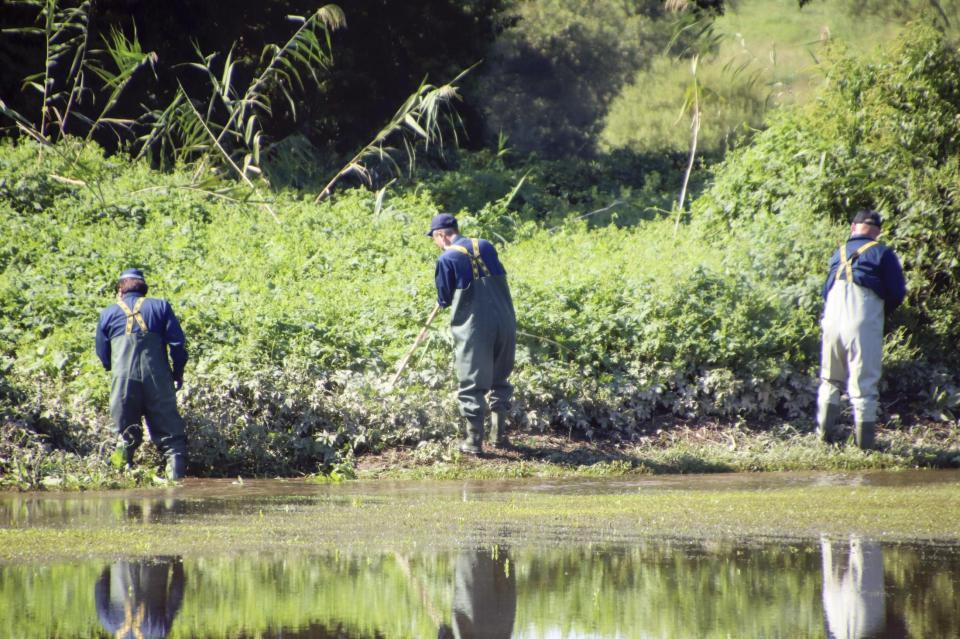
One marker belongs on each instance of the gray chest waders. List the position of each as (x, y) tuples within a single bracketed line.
[(142, 387), (850, 352), (484, 329)]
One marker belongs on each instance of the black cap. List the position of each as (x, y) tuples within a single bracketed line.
[(441, 221), (868, 217)]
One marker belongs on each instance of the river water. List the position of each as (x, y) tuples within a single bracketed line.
[(842, 587)]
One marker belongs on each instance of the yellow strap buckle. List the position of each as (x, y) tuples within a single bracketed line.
[(133, 315), (479, 260), (846, 263), (476, 262), (132, 621)]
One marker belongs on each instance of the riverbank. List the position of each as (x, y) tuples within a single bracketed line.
[(674, 448), (666, 447)]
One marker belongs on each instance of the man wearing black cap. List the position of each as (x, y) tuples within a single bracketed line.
[(471, 280), (132, 341), (864, 281)]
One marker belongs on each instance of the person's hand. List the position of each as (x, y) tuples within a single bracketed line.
[(177, 383)]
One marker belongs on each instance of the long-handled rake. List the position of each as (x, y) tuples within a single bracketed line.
[(416, 343)]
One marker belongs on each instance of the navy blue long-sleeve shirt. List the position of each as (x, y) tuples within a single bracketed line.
[(454, 270), (159, 318), (877, 269)]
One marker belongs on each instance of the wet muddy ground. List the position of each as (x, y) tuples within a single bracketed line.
[(210, 516)]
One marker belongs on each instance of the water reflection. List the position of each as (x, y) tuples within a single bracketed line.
[(854, 603), (484, 596), (152, 511), (140, 599), (830, 588), (59, 510), (147, 507)]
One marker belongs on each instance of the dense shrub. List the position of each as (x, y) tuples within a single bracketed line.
[(881, 133), (294, 328), (624, 188)]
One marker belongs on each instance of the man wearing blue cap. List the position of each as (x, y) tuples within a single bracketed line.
[(471, 280), (864, 281), (132, 341)]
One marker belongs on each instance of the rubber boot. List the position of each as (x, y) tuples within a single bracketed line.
[(827, 416), (498, 430), (176, 466), (130, 440), (864, 434), (128, 453), (123, 454), (472, 444)]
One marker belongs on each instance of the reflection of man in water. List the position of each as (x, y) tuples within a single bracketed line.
[(484, 596), (139, 599), (152, 510), (853, 596)]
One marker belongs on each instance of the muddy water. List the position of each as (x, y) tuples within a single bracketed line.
[(848, 586)]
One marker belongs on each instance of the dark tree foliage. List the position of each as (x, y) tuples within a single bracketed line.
[(382, 55), (554, 70)]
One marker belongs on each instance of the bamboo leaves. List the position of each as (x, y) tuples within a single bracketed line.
[(64, 33), (235, 139), (226, 156), (128, 58), (211, 116), (66, 36), (307, 50), (419, 120)]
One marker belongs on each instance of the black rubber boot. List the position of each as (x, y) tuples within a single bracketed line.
[(827, 416), (472, 444), (123, 455), (864, 434), (498, 430), (176, 466), (130, 440), (128, 453)]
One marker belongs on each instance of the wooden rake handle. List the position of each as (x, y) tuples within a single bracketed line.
[(416, 343)]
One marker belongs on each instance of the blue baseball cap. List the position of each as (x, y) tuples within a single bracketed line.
[(441, 221), (132, 274)]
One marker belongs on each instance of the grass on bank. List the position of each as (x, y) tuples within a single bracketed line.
[(678, 450)]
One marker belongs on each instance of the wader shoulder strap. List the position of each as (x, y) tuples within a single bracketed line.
[(133, 315), (846, 263), (476, 262)]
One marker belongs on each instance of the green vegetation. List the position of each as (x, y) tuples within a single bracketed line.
[(633, 314), (294, 327), (758, 56), (880, 132), (555, 68)]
